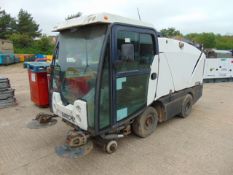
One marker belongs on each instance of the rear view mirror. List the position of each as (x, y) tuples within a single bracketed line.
[(127, 52)]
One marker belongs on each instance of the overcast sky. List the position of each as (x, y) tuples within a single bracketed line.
[(186, 15)]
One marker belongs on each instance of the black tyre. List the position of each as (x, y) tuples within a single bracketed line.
[(186, 106), (146, 123)]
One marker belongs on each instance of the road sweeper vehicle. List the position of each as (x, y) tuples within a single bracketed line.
[(112, 75)]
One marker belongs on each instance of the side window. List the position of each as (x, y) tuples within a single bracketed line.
[(134, 51), (146, 49), (127, 50)]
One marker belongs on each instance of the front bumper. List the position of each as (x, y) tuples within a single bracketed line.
[(76, 113)]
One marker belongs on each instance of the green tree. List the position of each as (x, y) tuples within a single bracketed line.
[(224, 42), (24, 44), (21, 40), (170, 32), (27, 25), (23, 33), (45, 45), (26, 31), (7, 24), (207, 39)]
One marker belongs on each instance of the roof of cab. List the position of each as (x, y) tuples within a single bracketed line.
[(99, 18)]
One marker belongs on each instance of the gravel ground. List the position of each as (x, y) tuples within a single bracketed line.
[(199, 144)]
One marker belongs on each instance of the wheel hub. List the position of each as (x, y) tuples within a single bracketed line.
[(149, 121)]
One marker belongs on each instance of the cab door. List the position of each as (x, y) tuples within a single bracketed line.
[(133, 52)]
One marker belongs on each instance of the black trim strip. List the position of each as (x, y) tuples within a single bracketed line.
[(98, 83), (197, 61), (133, 73)]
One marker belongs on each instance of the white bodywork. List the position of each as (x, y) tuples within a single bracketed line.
[(219, 64), (153, 83), (99, 18), (180, 66), (174, 66), (218, 68), (76, 113)]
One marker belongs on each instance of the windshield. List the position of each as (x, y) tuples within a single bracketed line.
[(77, 62)]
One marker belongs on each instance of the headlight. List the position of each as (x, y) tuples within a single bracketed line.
[(78, 109), (78, 117), (77, 112)]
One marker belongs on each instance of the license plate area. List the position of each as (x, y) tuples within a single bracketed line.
[(68, 117)]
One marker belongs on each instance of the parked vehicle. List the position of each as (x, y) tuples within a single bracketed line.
[(218, 66), (112, 75)]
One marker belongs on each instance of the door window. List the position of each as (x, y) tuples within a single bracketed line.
[(131, 94), (135, 52), (127, 62), (146, 49)]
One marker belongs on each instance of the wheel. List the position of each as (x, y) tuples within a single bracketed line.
[(146, 123), (186, 106), (111, 146)]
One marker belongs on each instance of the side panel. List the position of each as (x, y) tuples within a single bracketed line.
[(165, 81), (198, 72), (210, 68), (172, 103), (152, 86), (185, 62)]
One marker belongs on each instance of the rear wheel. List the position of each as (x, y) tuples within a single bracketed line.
[(146, 123), (186, 106)]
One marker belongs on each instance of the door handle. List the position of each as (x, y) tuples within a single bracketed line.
[(153, 76)]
